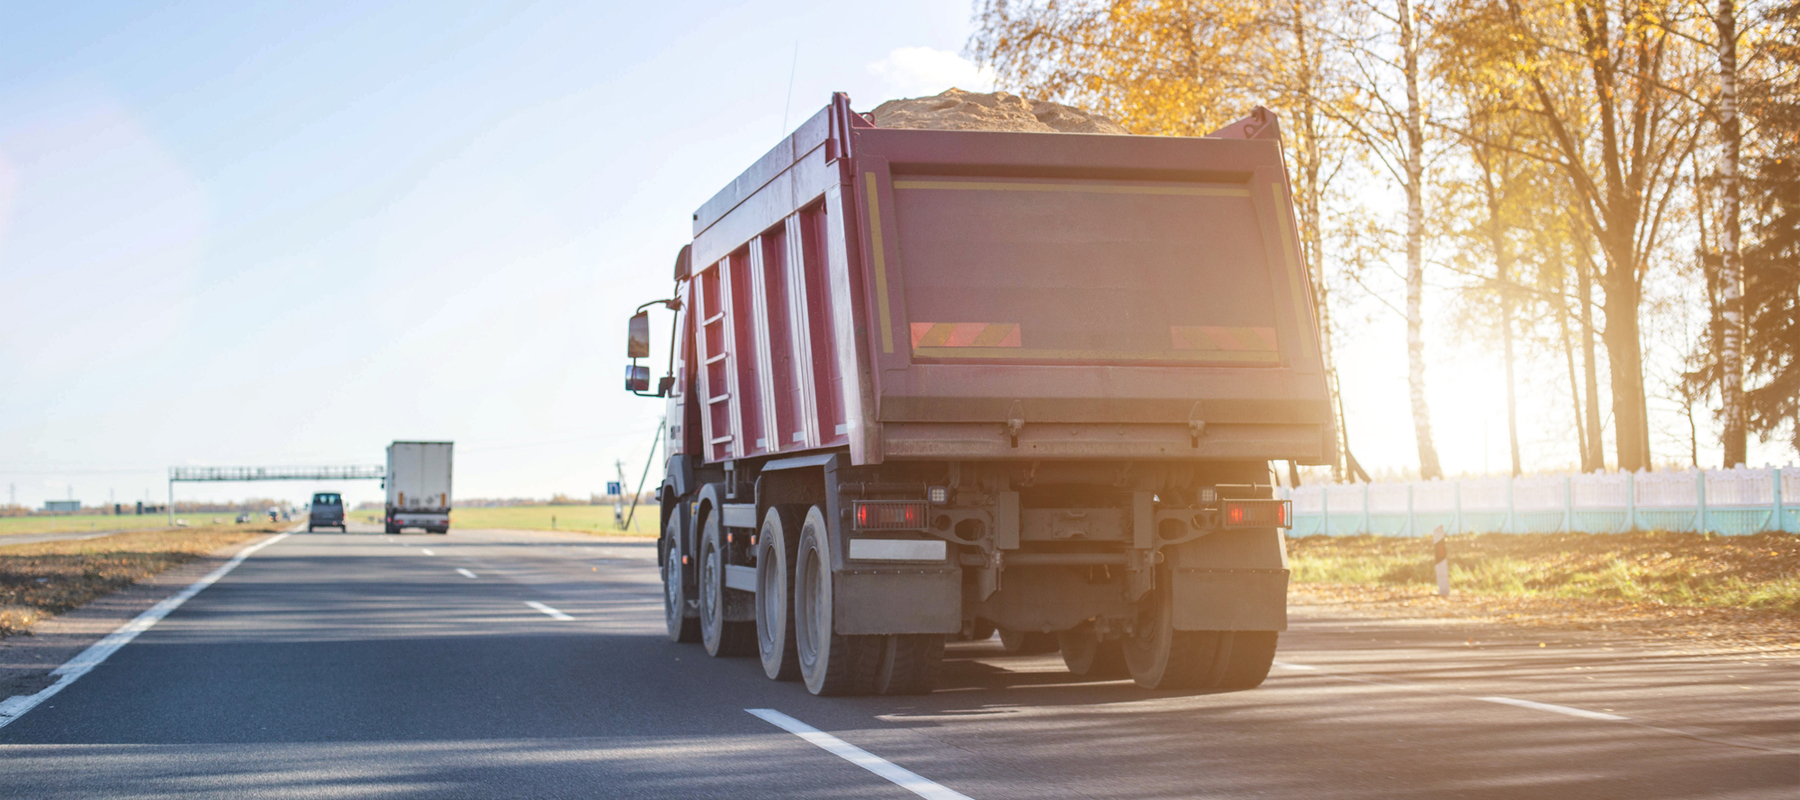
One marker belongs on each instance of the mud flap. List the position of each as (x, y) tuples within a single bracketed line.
[(1229, 599), (877, 602)]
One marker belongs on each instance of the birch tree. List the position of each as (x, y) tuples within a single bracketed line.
[(1731, 277)]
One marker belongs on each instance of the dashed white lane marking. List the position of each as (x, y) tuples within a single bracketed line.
[(1737, 741), (427, 551), (900, 776), (1509, 701), (465, 573), (1555, 709), (554, 614), (15, 707)]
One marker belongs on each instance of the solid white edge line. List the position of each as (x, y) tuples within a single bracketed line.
[(15, 707), (1556, 709), (900, 776), (554, 614), (465, 573)]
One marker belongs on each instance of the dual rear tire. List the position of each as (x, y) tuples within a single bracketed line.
[(1160, 657), (833, 663)]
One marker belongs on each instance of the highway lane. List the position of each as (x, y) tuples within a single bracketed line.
[(532, 665)]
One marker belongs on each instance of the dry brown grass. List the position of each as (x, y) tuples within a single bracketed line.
[(47, 578), (1728, 590)]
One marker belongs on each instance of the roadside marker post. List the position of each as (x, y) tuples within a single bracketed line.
[(1442, 553)]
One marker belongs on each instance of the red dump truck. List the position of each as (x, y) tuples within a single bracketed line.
[(928, 382)]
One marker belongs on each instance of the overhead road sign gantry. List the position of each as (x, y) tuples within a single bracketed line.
[(327, 473)]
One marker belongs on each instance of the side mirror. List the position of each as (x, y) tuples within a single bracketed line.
[(637, 379), (639, 335)]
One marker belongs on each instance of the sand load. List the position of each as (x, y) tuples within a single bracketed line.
[(957, 110)]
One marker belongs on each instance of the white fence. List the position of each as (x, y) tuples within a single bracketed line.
[(1727, 501)]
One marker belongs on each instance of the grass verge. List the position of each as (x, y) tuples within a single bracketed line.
[(76, 523), (47, 578), (1745, 589), (579, 519)]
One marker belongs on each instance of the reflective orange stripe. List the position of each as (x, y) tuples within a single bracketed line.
[(965, 334), (1215, 337)]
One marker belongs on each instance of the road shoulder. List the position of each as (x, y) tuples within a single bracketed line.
[(26, 660)]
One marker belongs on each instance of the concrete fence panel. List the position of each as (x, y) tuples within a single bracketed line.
[(1739, 501)]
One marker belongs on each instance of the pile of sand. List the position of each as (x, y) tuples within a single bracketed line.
[(957, 110)]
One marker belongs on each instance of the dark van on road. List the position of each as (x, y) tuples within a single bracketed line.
[(327, 512)]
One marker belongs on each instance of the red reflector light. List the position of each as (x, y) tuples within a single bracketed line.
[(1258, 514), (892, 516)]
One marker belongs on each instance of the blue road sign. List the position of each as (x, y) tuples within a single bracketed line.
[(613, 487)]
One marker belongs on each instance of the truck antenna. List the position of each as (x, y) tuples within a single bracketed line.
[(785, 107)]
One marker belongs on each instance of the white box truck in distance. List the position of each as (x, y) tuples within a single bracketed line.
[(418, 486)]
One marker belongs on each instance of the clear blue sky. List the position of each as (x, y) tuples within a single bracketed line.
[(261, 233)]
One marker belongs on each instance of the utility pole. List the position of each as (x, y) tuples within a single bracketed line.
[(619, 497)]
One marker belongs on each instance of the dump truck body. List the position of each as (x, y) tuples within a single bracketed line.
[(418, 486), (1023, 379)]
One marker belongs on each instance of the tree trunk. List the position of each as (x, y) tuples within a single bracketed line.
[(1625, 354), (1512, 395), (1415, 236), (1593, 457), (1503, 261), (1568, 346), (1731, 344)]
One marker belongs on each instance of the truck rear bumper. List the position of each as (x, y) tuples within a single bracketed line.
[(414, 519)]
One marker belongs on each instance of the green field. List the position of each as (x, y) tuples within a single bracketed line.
[(75, 523), (582, 519)]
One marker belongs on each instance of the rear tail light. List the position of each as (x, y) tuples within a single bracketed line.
[(890, 516), (1258, 514)]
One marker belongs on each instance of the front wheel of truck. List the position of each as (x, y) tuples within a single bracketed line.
[(776, 546), (831, 663)]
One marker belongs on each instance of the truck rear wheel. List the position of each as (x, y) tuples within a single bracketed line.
[(776, 546), (683, 628), (831, 663), (909, 663), (1027, 643), (723, 638), (1088, 656), (1160, 657), (1247, 663)]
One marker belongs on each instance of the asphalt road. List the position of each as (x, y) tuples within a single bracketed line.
[(364, 665)]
